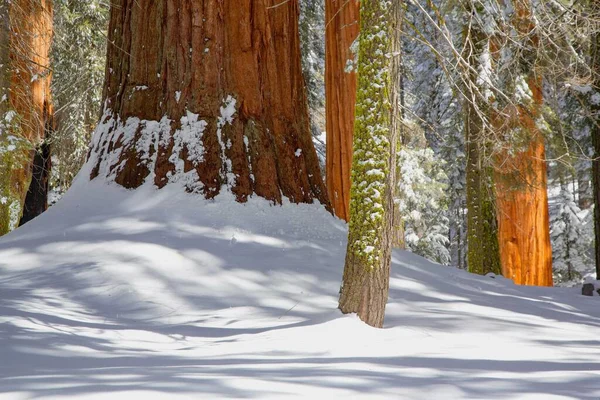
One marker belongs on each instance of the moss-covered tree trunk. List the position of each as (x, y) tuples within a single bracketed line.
[(595, 106), (342, 27), (482, 229), (209, 94), (483, 255), (25, 109), (365, 283), (521, 177)]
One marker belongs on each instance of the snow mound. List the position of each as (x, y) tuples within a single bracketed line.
[(159, 294)]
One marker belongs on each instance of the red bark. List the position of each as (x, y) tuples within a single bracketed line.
[(30, 23), (521, 179), (174, 57), (342, 27), (522, 203)]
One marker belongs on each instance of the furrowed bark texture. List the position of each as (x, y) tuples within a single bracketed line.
[(521, 181), (483, 255), (211, 93), (26, 84), (595, 61), (365, 283), (342, 27)]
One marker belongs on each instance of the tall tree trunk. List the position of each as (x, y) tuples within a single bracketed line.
[(483, 255), (26, 84), (208, 93), (521, 179), (365, 283), (341, 30), (595, 107)]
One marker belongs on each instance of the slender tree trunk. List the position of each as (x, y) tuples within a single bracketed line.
[(210, 94), (26, 85), (483, 255), (595, 107), (341, 30), (585, 201), (365, 283), (398, 239)]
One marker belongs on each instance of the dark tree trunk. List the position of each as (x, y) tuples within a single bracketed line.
[(36, 201), (342, 27), (209, 93)]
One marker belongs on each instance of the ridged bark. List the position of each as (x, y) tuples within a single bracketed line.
[(26, 85), (365, 283), (209, 93), (483, 254), (595, 64), (521, 179), (341, 30)]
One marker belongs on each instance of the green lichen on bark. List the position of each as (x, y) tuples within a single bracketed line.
[(370, 165), (483, 254), (14, 153)]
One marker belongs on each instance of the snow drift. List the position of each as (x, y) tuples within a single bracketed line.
[(159, 294)]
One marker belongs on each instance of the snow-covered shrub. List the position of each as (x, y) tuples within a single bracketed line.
[(423, 203), (571, 234)]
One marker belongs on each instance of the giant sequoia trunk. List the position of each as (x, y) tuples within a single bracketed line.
[(365, 283), (523, 220), (521, 179), (342, 27), (24, 100), (483, 255), (209, 93)]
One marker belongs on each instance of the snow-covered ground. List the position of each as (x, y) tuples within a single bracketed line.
[(157, 294)]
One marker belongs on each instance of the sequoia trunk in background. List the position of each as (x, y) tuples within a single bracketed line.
[(483, 255), (26, 108), (365, 283), (209, 93), (341, 29), (521, 178)]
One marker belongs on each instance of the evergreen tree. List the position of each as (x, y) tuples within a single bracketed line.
[(570, 239), (365, 283), (78, 61), (433, 104), (482, 229), (423, 203), (312, 45)]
